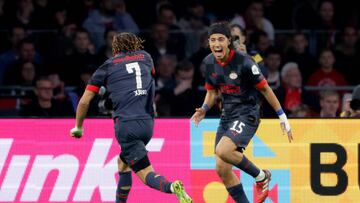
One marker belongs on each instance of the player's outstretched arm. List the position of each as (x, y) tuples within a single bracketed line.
[(274, 102), (81, 112), (209, 101)]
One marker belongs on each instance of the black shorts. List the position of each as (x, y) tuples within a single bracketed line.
[(240, 130), (133, 136)]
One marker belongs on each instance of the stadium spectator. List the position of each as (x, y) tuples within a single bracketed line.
[(17, 34), (329, 104), (326, 75), (348, 54), (254, 20), (124, 21), (60, 93), (160, 43), (260, 42), (60, 18), (110, 15), (44, 105), (193, 24), (165, 82), (239, 35), (24, 75), (352, 106), (82, 55), (272, 64), (355, 103), (292, 95), (166, 15), (24, 14), (184, 98), (105, 51), (85, 75), (160, 3), (193, 35), (165, 70), (26, 53), (197, 58), (63, 44), (195, 10), (98, 20), (326, 22), (299, 53)]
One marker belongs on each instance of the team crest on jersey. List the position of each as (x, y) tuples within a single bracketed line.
[(233, 75), (255, 70)]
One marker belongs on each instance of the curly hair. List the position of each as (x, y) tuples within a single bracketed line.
[(126, 42)]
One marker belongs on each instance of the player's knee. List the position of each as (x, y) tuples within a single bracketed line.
[(122, 159), (241, 155), (141, 164), (121, 165), (222, 152)]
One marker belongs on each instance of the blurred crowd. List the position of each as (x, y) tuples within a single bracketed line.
[(49, 50)]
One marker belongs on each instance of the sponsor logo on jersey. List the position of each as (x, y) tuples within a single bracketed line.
[(229, 89), (129, 58), (233, 75), (255, 70)]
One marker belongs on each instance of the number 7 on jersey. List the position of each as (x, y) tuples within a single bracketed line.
[(130, 67)]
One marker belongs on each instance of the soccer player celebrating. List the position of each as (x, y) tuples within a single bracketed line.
[(238, 78), (128, 78)]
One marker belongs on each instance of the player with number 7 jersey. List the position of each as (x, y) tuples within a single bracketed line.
[(128, 77)]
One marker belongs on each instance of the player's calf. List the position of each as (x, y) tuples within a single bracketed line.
[(123, 187), (238, 194), (158, 182)]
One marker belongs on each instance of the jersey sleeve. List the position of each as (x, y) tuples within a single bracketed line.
[(97, 80), (254, 74), (209, 84), (153, 70), (150, 61)]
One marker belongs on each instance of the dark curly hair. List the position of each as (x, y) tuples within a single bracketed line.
[(126, 42)]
